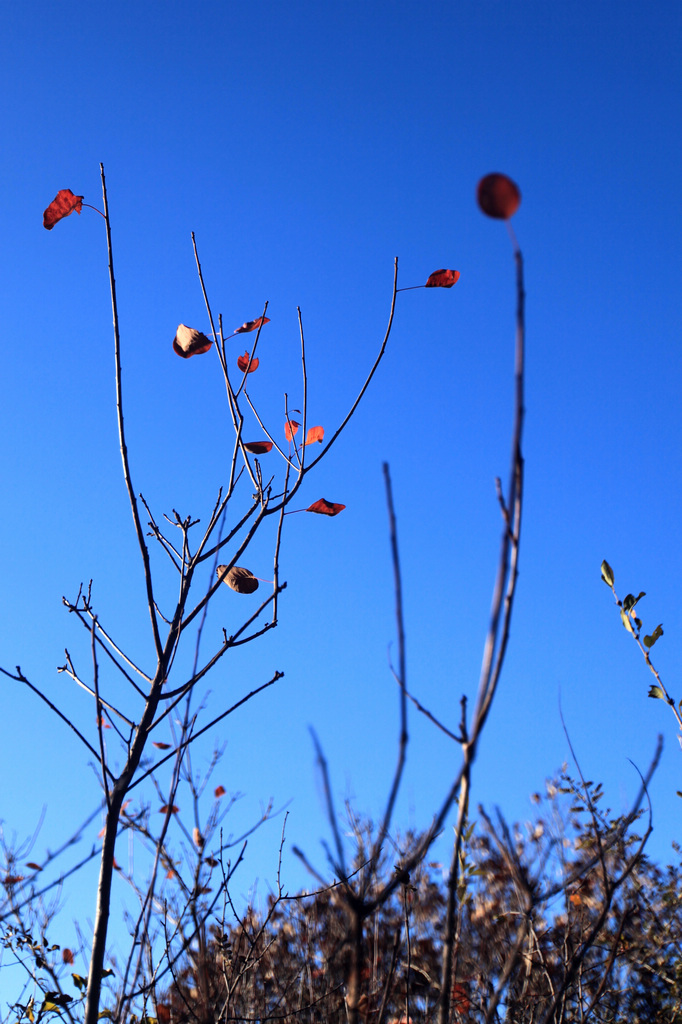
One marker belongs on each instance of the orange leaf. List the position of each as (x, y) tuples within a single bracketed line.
[(442, 279), (67, 956), (460, 997), (117, 866), (314, 434), (162, 746), (219, 791), (258, 447), (64, 203), (167, 807), (10, 880), (325, 508), (252, 325), (188, 342), (101, 832), (290, 428), (498, 196), (243, 363), (33, 866), (103, 722), (163, 1013), (239, 579)]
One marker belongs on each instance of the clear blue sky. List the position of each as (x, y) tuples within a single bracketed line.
[(307, 145)]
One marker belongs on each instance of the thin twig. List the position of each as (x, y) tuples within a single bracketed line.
[(121, 430), (403, 737)]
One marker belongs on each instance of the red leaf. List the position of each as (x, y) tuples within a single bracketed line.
[(161, 746), (258, 447), (325, 508), (290, 428), (64, 203), (219, 791), (167, 807), (239, 579), (67, 956), (314, 434), (243, 363), (188, 342), (163, 1013), (442, 279), (33, 866), (252, 325), (498, 196)]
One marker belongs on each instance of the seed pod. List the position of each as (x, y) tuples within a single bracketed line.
[(241, 580)]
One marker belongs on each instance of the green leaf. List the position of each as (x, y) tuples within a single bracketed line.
[(626, 622), (629, 602), (105, 1014), (79, 981), (105, 973), (607, 573), (656, 692), (650, 640)]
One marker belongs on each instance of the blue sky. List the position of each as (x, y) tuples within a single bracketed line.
[(307, 145)]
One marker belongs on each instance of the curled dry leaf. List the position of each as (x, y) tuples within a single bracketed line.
[(169, 809), (33, 866), (238, 578), (188, 342), (243, 363), (219, 791), (442, 279), (67, 956), (314, 434), (325, 508), (64, 203), (290, 428), (252, 325), (258, 447), (498, 196), (161, 746), (198, 838)]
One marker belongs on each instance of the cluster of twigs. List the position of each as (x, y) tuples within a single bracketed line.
[(183, 939), (151, 697)]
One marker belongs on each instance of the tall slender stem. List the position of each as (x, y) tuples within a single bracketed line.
[(121, 429)]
